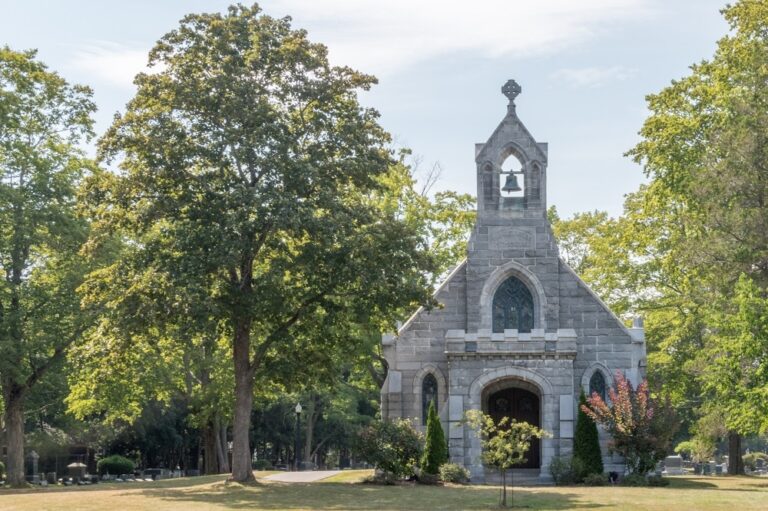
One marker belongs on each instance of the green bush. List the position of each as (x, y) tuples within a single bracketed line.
[(750, 460), (114, 465), (393, 447), (655, 480), (578, 470), (561, 471), (435, 449), (453, 473), (262, 465), (634, 480), (596, 480), (586, 445), (2, 469)]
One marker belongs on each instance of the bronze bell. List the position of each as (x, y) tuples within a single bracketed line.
[(511, 184)]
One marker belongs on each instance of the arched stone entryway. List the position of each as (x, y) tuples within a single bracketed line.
[(530, 385), (517, 400)]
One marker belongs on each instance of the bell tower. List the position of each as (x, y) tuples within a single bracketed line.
[(511, 167), (512, 237)]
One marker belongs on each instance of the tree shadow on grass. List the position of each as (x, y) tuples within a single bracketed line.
[(362, 497)]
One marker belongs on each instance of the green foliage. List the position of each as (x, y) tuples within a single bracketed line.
[(504, 443), (699, 448), (435, 447), (454, 473), (391, 446), (561, 470), (586, 444), (43, 121), (641, 427), (596, 479), (114, 465), (2, 469), (750, 459), (654, 480), (634, 480), (262, 465), (264, 222)]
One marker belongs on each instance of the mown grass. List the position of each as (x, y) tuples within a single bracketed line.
[(212, 493)]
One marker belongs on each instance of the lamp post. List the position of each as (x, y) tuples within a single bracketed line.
[(296, 443)]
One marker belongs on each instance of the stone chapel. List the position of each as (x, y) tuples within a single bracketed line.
[(518, 333)]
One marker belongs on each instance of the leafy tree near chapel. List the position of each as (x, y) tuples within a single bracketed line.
[(705, 145), (43, 119), (250, 188)]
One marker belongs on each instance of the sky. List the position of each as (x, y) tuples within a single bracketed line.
[(585, 68)]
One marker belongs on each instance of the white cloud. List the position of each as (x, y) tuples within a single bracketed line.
[(593, 77), (114, 63), (385, 37)]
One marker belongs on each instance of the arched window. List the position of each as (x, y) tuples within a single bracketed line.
[(428, 394), (597, 384), (512, 307)]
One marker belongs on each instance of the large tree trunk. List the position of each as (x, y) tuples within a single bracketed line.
[(241, 451), (221, 445), (14, 424), (312, 416), (210, 439), (735, 463)]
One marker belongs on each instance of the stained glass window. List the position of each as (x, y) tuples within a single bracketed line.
[(512, 307), (428, 394), (597, 384)]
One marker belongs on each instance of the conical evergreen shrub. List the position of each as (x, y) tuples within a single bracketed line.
[(435, 448), (586, 445)]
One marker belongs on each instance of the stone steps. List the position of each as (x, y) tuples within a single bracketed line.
[(517, 477)]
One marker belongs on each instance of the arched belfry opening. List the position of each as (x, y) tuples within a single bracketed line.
[(511, 165), (512, 181)]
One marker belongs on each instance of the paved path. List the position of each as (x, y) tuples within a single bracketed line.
[(310, 476)]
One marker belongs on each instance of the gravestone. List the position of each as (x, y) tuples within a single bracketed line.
[(673, 465), (760, 464)]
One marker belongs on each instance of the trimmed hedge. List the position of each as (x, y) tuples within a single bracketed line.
[(114, 465)]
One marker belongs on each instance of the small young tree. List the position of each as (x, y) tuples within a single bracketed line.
[(641, 428), (504, 443), (586, 445), (435, 449)]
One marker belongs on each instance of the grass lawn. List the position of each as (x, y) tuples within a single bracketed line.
[(211, 493)]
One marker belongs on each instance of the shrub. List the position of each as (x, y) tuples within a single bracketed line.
[(454, 473), (655, 480), (578, 470), (435, 448), (561, 471), (634, 480), (262, 465), (642, 427), (586, 445), (750, 460), (114, 465), (596, 480), (2, 469), (393, 447)]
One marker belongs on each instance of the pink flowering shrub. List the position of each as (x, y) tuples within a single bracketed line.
[(641, 427)]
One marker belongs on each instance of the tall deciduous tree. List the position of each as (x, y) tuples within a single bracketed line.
[(250, 188), (706, 146), (42, 120)]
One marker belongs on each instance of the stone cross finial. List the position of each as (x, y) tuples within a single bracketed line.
[(511, 89)]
